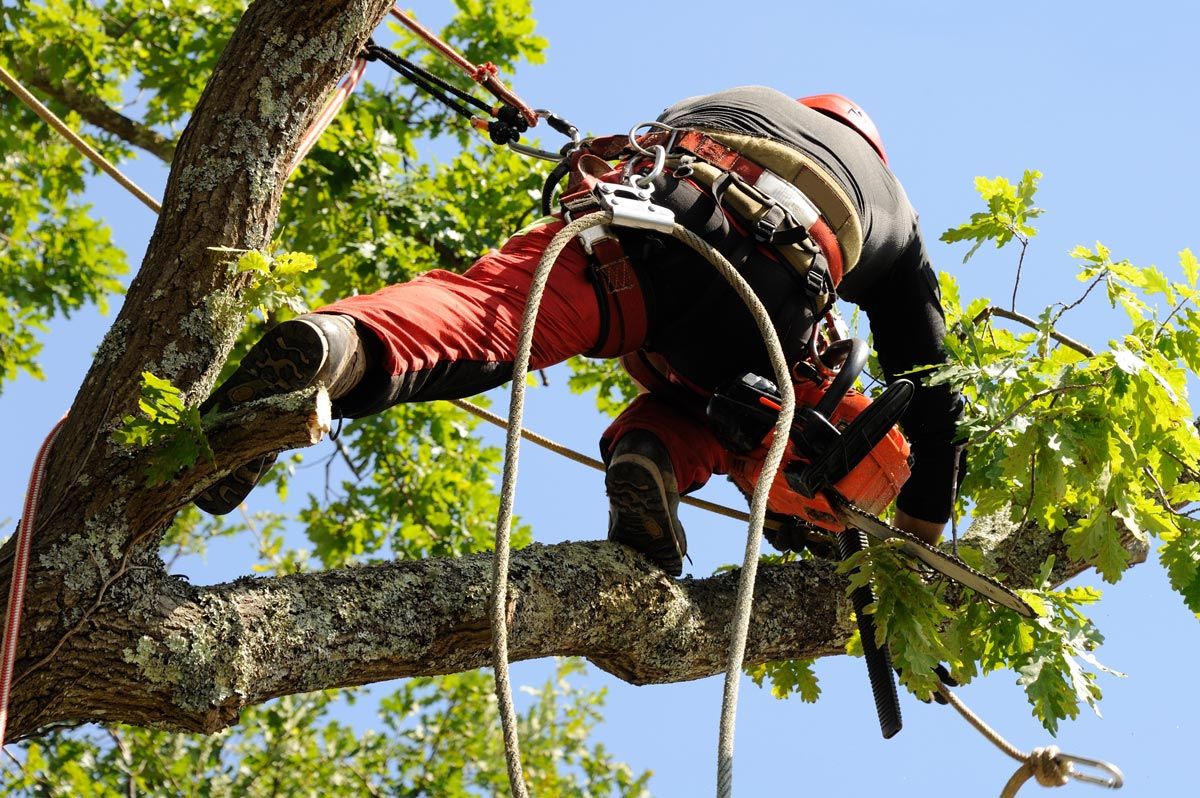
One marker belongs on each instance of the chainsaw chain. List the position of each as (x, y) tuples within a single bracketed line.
[(987, 586)]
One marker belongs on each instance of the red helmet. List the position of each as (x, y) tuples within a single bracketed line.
[(847, 112)]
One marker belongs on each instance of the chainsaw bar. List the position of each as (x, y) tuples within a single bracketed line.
[(938, 560)]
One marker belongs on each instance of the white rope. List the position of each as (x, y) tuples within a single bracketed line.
[(512, 446), (758, 504)]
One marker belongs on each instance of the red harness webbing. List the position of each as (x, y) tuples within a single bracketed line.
[(717, 154), (614, 272)]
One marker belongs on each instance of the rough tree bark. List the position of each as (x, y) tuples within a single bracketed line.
[(108, 635)]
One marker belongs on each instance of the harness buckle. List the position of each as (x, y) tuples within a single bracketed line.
[(766, 225), (817, 279), (632, 206), (589, 237)]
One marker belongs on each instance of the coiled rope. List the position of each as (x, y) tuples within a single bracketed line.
[(758, 503)]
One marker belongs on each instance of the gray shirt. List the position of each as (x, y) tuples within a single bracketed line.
[(888, 220)]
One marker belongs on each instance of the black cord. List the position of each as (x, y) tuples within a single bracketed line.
[(506, 128)]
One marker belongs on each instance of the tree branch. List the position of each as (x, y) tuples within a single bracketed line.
[(1011, 315), (98, 113), (1033, 398), (171, 654)]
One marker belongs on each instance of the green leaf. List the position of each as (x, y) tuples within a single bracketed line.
[(787, 678), (172, 433), (1190, 266), (253, 261)]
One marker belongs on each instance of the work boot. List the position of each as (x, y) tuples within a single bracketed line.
[(643, 500), (316, 347)]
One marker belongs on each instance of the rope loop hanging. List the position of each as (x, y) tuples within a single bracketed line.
[(1048, 765)]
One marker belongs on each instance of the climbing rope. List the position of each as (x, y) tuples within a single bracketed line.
[(63, 130), (758, 503), (486, 74), (1051, 767), (20, 568), (328, 112)]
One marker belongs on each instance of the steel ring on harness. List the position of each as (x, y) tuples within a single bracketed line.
[(638, 148), (659, 153), (562, 126)]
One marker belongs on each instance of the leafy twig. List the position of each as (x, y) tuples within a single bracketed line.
[(126, 761), (1082, 297), (1166, 502), (992, 310), (1020, 262), (1033, 398), (1170, 316)]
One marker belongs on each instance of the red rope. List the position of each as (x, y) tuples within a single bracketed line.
[(309, 139), (20, 568), (484, 75)]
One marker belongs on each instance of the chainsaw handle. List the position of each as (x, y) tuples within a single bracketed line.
[(853, 362)]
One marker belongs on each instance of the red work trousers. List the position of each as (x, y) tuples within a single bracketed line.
[(446, 335)]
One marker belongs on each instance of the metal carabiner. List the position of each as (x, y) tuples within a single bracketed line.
[(638, 148), (647, 180), (559, 124), (1114, 779)]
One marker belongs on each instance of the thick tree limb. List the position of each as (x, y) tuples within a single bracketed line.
[(275, 424), (97, 112), (166, 653), (191, 657), (181, 314)]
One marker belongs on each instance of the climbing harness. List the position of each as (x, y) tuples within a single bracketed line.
[(628, 203)]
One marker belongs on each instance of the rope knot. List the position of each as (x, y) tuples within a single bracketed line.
[(1048, 768), (484, 72)]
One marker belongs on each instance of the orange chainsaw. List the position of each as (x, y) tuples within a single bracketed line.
[(846, 461)]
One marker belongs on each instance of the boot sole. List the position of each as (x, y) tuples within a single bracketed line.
[(276, 364), (642, 517)]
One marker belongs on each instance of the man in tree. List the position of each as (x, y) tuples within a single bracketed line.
[(797, 194)]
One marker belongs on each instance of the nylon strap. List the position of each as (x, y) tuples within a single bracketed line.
[(706, 148)]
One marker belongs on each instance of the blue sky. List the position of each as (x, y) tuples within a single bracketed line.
[(1098, 96)]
